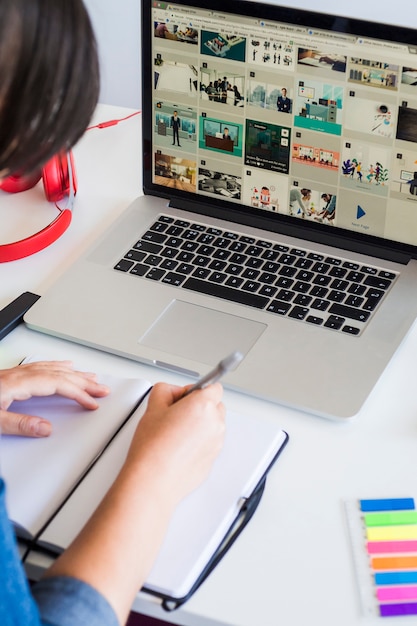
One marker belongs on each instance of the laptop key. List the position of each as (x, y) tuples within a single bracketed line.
[(284, 282), (234, 269), (348, 311), (217, 277), (351, 330), (268, 290), (371, 303), (153, 259), (148, 246), (279, 307), (298, 312), (251, 285), (337, 296), (169, 264), (201, 272), (159, 227), (301, 286), (355, 277), (139, 269), (124, 265), (217, 265), (302, 299), (313, 319), (356, 301), (234, 281), (335, 322), (154, 236), (320, 304), (170, 253), (226, 293), (357, 289), (250, 273), (185, 268), (172, 278), (378, 282), (174, 231), (155, 273), (319, 292), (267, 277), (135, 255), (388, 275)]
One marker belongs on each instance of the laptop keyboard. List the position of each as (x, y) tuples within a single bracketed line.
[(298, 283)]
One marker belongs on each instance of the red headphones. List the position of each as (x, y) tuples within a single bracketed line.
[(59, 182)]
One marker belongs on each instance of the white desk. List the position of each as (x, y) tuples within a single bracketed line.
[(292, 566)]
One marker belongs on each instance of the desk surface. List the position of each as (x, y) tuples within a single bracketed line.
[(292, 565)]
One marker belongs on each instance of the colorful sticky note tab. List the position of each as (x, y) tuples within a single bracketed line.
[(391, 533), (388, 547), (407, 592), (387, 504), (394, 562), (396, 578), (390, 519), (403, 608)]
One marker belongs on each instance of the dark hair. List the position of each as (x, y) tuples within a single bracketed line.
[(49, 80)]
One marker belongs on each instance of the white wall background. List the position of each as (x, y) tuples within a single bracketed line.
[(117, 26)]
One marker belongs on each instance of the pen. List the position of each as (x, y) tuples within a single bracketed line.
[(228, 364)]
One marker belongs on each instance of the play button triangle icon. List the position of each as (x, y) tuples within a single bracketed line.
[(360, 212)]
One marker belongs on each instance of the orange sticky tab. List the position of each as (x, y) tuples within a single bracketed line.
[(394, 562)]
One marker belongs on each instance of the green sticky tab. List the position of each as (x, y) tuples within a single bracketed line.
[(391, 519)]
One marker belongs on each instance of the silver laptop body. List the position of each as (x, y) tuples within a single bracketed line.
[(311, 103)]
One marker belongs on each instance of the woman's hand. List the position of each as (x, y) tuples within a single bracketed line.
[(180, 437), (43, 378)]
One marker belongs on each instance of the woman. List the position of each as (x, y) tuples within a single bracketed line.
[(49, 85)]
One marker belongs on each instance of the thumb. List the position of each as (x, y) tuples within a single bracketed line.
[(24, 425)]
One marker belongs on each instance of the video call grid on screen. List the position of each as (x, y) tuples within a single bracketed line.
[(314, 124)]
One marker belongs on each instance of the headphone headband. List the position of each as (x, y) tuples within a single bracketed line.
[(59, 180)]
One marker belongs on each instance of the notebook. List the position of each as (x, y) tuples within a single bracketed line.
[(279, 209), (78, 439), (86, 451)]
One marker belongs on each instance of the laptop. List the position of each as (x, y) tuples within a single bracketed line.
[(279, 215)]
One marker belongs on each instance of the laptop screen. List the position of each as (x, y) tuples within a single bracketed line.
[(286, 116)]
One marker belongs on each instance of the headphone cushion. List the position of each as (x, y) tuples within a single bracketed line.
[(56, 179), (16, 183)]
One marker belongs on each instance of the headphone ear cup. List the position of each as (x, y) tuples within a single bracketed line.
[(16, 183), (55, 178)]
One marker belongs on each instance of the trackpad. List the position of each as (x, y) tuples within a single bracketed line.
[(201, 334)]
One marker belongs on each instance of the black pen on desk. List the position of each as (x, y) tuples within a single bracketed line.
[(228, 364)]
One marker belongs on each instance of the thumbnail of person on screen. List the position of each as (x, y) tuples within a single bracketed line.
[(175, 125), (299, 200), (226, 134), (328, 212), (45, 108), (413, 184), (283, 102)]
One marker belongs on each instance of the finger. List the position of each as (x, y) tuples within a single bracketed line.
[(83, 392), (212, 393), (165, 394), (48, 365), (24, 425)]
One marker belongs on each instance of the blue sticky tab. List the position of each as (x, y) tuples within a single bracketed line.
[(387, 504), (396, 578)]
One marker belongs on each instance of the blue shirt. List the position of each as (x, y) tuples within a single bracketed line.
[(55, 601)]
